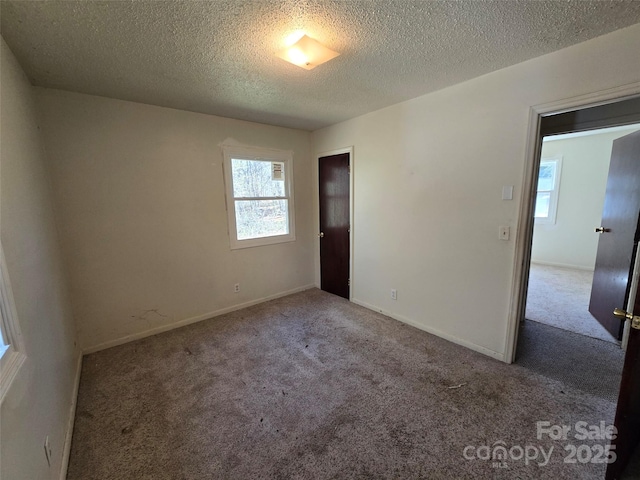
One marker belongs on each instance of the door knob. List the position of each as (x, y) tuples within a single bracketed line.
[(321, 234), (618, 312), (635, 320), (602, 230)]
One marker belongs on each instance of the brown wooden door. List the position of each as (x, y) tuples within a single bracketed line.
[(620, 221), (334, 224), (624, 216), (627, 420)]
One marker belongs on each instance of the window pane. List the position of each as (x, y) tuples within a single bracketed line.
[(2, 327), (254, 178), (547, 176), (542, 204), (261, 218)]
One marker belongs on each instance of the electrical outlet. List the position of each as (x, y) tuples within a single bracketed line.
[(236, 288), (47, 450), (394, 294)]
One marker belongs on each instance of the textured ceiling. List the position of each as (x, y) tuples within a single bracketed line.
[(218, 57)]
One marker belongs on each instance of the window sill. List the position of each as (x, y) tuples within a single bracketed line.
[(544, 221), (259, 242)]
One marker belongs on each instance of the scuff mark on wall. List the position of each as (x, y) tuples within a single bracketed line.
[(149, 314)]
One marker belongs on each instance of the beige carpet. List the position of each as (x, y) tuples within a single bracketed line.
[(560, 297), (311, 386)]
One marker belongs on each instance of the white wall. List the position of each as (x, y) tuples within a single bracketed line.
[(142, 216), (428, 179), (38, 403), (572, 241)]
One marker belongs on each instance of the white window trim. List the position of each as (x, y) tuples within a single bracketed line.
[(12, 357), (555, 193), (268, 155)]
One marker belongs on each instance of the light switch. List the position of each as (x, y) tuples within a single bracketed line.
[(504, 233), (507, 192)]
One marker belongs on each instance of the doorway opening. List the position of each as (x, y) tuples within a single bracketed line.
[(572, 181), (559, 336), (578, 265)]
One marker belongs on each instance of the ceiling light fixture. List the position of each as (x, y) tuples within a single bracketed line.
[(307, 53)]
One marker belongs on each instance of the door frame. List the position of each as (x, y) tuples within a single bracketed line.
[(524, 229), (316, 189)]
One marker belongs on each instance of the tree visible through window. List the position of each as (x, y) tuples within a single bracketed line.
[(259, 200)]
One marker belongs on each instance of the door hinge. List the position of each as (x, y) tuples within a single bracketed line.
[(348, 282), (348, 168), (635, 320)]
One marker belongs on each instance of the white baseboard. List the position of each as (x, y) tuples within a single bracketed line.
[(563, 265), (433, 331), (72, 416), (188, 321)]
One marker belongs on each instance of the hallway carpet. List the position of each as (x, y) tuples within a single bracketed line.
[(560, 297), (588, 364), (311, 386)]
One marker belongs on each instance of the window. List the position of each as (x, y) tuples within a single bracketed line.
[(548, 188), (11, 356), (4, 344), (259, 191)]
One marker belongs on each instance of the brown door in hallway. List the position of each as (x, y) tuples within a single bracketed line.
[(618, 233), (334, 224), (624, 220)]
